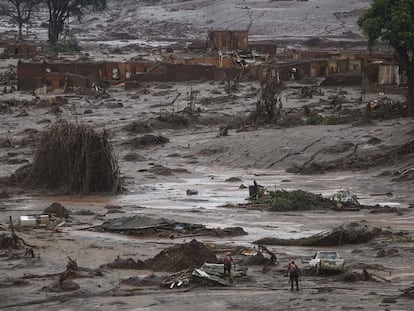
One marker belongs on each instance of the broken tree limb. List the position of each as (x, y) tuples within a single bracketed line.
[(175, 99)]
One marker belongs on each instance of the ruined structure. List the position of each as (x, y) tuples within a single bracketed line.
[(228, 56), (227, 40), (20, 49)]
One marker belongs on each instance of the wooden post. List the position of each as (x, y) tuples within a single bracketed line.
[(11, 225), (14, 236)]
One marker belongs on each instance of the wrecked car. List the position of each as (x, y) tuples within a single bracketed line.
[(327, 261)]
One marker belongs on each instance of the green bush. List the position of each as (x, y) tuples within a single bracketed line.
[(345, 197), (282, 200), (329, 120), (67, 45), (318, 119)]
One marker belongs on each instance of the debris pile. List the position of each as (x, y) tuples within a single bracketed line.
[(8, 241), (161, 227), (386, 108), (258, 259), (147, 140), (207, 274), (73, 271), (74, 159), (129, 263), (352, 233), (56, 209), (179, 279), (354, 276), (183, 256)]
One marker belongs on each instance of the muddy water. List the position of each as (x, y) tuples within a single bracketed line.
[(169, 200)]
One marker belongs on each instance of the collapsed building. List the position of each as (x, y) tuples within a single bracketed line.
[(20, 49), (227, 55)]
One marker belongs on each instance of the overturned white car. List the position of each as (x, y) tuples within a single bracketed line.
[(327, 261)]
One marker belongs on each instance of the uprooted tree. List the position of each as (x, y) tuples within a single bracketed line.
[(74, 159), (61, 10), (392, 21)]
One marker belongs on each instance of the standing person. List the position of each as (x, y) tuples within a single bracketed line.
[(293, 272), (228, 261)]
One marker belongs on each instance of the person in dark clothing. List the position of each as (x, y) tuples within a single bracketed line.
[(293, 272), (228, 261)]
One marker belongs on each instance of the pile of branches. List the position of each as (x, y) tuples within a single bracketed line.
[(8, 241), (74, 159)]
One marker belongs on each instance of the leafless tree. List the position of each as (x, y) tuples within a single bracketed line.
[(61, 10), (21, 11)]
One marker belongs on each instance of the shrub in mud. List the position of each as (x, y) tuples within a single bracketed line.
[(318, 119), (346, 198), (282, 200)]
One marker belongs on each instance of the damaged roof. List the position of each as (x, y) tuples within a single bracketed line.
[(135, 223)]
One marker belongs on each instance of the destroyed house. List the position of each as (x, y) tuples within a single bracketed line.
[(167, 72), (63, 75), (21, 49), (264, 48), (227, 40), (296, 70), (218, 60), (382, 73)]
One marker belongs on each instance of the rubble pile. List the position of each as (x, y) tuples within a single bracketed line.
[(183, 256), (145, 226), (386, 108), (56, 209), (207, 274)]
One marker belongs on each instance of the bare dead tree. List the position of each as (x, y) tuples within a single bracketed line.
[(61, 10), (269, 105), (21, 11)]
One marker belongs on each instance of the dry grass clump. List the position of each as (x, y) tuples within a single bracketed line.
[(74, 159)]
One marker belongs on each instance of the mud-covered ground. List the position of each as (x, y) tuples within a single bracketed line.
[(157, 177), (153, 22), (371, 159)]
